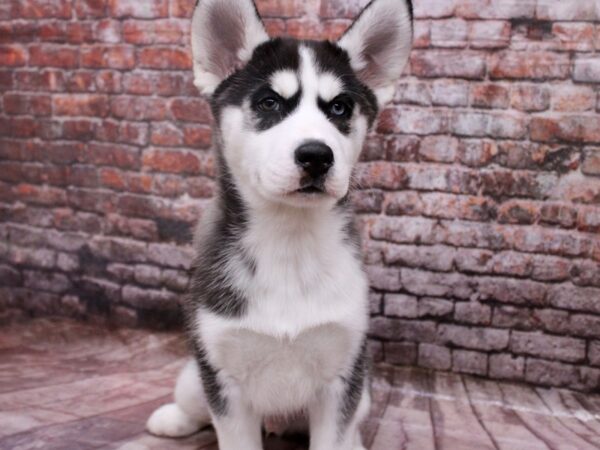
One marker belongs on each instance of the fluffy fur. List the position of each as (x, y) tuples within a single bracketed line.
[(277, 308)]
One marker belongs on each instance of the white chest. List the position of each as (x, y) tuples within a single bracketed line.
[(305, 319)]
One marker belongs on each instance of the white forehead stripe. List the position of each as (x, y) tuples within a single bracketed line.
[(330, 86), (285, 83)]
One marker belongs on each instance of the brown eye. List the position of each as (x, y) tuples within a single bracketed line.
[(269, 104), (338, 109)]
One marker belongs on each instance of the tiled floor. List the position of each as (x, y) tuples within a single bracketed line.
[(65, 385)]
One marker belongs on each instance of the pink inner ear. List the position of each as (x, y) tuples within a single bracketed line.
[(227, 37), (375, 48)]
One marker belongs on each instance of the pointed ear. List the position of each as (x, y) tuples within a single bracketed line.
[(224, 35), (379, 42)]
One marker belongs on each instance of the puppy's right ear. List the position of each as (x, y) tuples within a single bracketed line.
[(224, 35)]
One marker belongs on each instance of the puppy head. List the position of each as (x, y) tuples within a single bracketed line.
[(292, 115)]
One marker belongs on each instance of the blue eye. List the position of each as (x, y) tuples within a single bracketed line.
[(269, 104), (338, 109)]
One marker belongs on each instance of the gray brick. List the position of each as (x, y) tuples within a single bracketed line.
[(400, 305), (473, 313), (46, 281), (435, 307), (551, 373), (148, 275), (574, 298), (546, 346), (401, 353), (594, 353), (584, 325), (466, 361), (434, 357), (386, 279), (507, 367), (401, 329), (473, 338)]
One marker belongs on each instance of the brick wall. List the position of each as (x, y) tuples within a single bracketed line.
[(479, 199)]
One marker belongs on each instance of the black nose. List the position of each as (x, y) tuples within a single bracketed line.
[(315, 158)]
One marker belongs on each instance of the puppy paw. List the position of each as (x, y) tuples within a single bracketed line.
[(169, 420)]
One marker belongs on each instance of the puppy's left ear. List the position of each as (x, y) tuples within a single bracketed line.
[(224, 36), (379, 43)]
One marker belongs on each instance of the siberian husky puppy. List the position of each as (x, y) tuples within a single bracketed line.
[(277, 309)]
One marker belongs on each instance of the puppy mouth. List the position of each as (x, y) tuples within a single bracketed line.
[(311, 187)]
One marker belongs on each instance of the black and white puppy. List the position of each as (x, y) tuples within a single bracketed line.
[(277, 311)]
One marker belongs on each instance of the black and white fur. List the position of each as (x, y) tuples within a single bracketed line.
[(277, 311)]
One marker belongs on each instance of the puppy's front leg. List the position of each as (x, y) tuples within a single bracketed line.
[(336, 414), (237, 427)]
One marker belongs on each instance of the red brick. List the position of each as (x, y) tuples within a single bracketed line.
[(275, 27), (53, 56), (451, 33), (126, 132), (477, 153), (138, 108), (337, 9), (574, 10), (421, 33), (586, 69), (164, 58), (41, 9), (434, 9), (529, 65), (450, 93), (381, 175), (438, 148), (94, 81), (449, 206), (159, 83), (306, 28), (110, 57), (90, 8), (489, 9), (489, 34), (413, 121), (492, 96), (444, 63), (45, 80), (577, 37), (12, 55), (66, 32), (589, 220), (190, 110), (573, 98), (519, 212), (569, 128), (530, 97), (173, 161), (18, 32), (166, 134), (198, 136), (182, 8), (284, 8), (112, 155), (41, 195), (557, 214), (591, 161), (148, 9), (167, 31), (81, 105), (37, 105)]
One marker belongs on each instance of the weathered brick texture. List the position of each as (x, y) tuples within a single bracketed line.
[(479, 199)]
